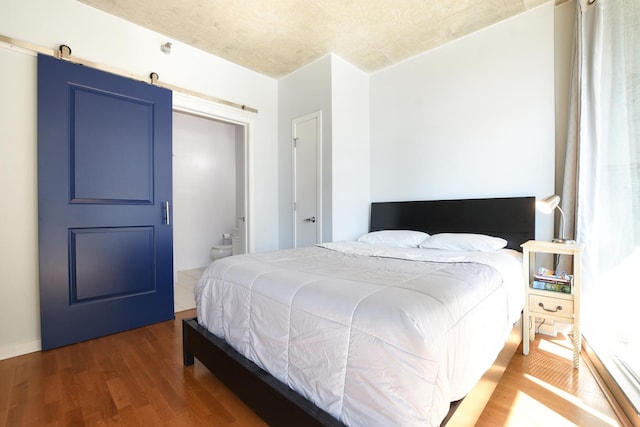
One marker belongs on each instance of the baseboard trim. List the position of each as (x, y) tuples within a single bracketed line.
[(7, 352)]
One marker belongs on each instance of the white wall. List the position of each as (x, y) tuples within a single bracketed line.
[(341, 92), (350, 151), (107, 40), (19, 296), (473, 118), (303, 92), (204, 187)]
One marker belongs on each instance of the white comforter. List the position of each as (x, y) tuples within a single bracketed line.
[(367, 335)]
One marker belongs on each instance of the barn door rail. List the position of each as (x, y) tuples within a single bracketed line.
[(64, 52)]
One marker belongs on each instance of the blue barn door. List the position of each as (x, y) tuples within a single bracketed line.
[(104, 197)]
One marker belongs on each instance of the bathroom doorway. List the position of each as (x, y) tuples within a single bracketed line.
[(209, 196)]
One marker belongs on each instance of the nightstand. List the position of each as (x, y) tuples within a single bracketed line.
[(551, 305)]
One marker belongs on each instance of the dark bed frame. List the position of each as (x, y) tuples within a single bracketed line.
[(510, 218)]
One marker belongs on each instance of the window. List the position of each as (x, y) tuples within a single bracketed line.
[(606, 106)]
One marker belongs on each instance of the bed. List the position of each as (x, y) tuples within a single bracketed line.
[(268, 327)]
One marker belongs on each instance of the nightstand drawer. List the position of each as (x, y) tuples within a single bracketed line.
[(549, 305)]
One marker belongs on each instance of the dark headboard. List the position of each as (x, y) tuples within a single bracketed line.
[(512, 218)]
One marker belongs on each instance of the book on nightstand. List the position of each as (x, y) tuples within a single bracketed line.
[(550, 282)]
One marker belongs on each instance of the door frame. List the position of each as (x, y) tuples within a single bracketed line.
[(204, 108), (318, 116)]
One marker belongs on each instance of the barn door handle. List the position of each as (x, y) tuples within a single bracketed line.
[(166, 213), (312, 219)]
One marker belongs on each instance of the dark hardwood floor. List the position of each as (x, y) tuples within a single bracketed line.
[(136, 378)]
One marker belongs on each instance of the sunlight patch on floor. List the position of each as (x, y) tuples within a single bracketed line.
[(541, 415), (569, 398), (559, 348)]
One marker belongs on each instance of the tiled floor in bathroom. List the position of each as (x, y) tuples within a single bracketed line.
[(183, 289)]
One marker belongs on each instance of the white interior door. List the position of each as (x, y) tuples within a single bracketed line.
[(307, 182)]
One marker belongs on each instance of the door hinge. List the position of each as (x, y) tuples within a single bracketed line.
[(295, 206), (295, 142)]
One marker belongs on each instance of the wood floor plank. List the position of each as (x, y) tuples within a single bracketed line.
[(136, 378), (544, 389)]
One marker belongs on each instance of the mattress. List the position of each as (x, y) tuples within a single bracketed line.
[(373, 335)]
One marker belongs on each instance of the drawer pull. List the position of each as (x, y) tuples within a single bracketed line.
[(558, 308)]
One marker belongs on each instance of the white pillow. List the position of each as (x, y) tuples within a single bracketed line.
[(464, 242), (400, 238)]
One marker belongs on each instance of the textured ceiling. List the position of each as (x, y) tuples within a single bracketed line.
[(276, 37)]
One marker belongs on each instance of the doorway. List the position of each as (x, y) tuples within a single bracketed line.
[(307, 179), (210, 193)]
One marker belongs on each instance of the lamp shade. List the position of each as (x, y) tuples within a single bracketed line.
[(547, 205)]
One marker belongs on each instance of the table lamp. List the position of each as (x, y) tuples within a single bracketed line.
[(547, 206)]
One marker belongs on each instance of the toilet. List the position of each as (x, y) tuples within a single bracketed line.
[(230, 245), (220, 251)]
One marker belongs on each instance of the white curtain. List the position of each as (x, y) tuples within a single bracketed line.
[(602, 176)]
